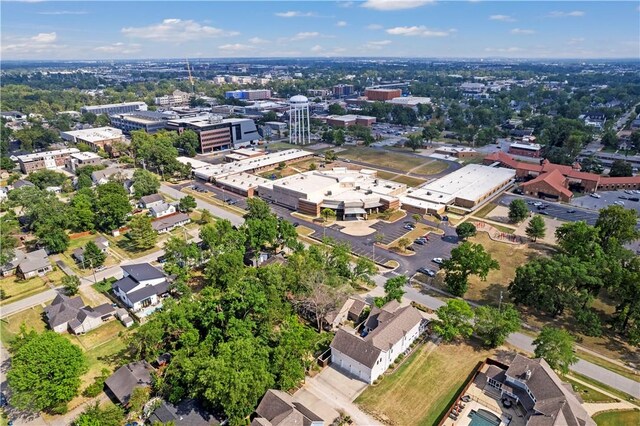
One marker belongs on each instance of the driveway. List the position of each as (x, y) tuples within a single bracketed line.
[(338, 391)]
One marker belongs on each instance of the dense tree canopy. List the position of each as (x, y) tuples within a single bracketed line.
[(466, 259), (454, 320), (556, 346)]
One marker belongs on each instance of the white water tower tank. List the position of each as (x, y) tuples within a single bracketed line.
[(299, 124)]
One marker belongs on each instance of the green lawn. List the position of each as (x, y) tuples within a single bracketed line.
[(16, 289), (587, 393), (10, 326), (389, 159), (407, 180), (618, 418), (623, 396), (431, 168), (485, 210), (422, 389)]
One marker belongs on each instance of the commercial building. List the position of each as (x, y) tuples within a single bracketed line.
[(244, 184), (97, 138), (350, 194), (248, 95), (410, 101), (318, 93), (350, 120), (466, 188), (178, 97), (120, 108), (243, 154), (82, 159), (382, 94), (549, 185), (342, 90), (215, 133), (45, 160), (526, 149), (149, 121), (457, 152), (250, 165)]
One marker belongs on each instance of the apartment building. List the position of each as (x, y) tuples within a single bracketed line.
[(45, 160), (382, 94), (120, 108), (149, 121)]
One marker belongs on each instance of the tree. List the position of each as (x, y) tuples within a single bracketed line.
[(403, 243), (454, 320), (187, 204), (139, 397), (145, 183), (536, 228), (330, 156), (394, 288), (414, 142), (45, 178), (55, 240), (295, 343), (466, 230), (416, 217), (71, 284), (45, 370), (518, 210), (8, 243), (93, 256), (82, 216), (188, 142), (363, 270), (7, 163), (338, 137), (206, 217), (111, 206), (621, 168), (141, 233), (493, 325), (556, 346), (430, 133), (617, 223), (93, 415), (465, 260), (609, 139), (337, 109)]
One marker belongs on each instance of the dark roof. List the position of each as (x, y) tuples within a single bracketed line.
[(126, 378), (148, 291), (279, 408), (125, 284), (142, 272), (21, 182), (63, 309), (355, 347), (169, 221), (187, 413), (34, 260), (357, 307), (153, 198)]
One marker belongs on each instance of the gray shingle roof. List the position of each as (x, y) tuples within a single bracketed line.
[(142, 272), (34, 260), (125, 284), (187, 413), (279, 408), (63, 309), (126, 378), (148, 291), (169, 221), (355, 348), (153, 198)]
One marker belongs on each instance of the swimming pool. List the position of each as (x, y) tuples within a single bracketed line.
[(484, 418)]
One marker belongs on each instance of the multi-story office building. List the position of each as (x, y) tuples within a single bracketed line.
[(82, 159), (176, 98), (382, 94), (216, 134), (149, 121), (350, 120), (45, 160), (318, 93), (342, 90), (120, 108), (248, 95), (97, 138)]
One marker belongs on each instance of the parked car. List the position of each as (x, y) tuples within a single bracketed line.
[(619, 203), (427, 271), (623, 197), (537, 204), (571, 211), (100, 268), (420, 241), (296, 224), (629, 191), (634, 199), (594, 195), (543, 212), (438, 260), (409, 227)]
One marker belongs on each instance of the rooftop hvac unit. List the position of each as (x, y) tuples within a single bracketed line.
[(357, 188), (328, 193)]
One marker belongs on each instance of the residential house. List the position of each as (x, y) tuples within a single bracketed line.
[(536, 388), (101, 242), (141, 287), (169, 223), (27, 265), (20, 183), (71, 314), (278, 408), (350, 310), (152, 200), (388, 332), (120, 385), (162, 210), (100, 177), (187, 413)]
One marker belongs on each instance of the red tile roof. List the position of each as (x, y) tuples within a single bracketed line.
[(554, 179), (619, 180)]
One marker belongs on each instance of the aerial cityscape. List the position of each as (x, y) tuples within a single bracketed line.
[(320, 213)]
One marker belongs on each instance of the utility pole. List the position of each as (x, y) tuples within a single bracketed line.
[(500, 302)]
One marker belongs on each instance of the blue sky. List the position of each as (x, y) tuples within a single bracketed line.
[(34, 29)]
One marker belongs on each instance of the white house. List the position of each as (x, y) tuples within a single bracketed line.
[(71, 314), (141, 286), (388, 332), (152, 200), (162, 210)]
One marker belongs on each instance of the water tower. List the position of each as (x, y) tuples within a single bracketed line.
[(299, 129)]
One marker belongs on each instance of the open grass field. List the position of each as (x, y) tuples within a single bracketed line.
[(485, 210), (31, 318), (432, 167), (292, 169), (618, 418), (16, 289), (587, 393), (279, 146), (422, 389), (388, 159), (407, 180)]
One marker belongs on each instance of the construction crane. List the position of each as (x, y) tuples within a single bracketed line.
[(193, 86)]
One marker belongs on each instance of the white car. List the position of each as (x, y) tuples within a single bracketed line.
[(619, 203), (537, 204), (594, 195), (438, 260)]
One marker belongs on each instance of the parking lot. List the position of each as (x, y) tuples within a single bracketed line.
[(607, 198), (555, 210)]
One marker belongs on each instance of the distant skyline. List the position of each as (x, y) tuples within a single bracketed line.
[(33, 29)]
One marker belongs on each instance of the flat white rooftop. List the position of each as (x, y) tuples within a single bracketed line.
[(83, 156), (39, 155), (195, 164), (410, 100), (221, 170), (95, 135), (527, 146), (136, 103), (242, 181)]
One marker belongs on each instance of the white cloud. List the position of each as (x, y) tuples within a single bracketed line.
[(345, 4), (235, 47), (341, 24), (376, 45), (258, 40), (559, 14), (317, 49), (122, 48), (522, 31), (305, 35), (575, 40), (503, 18), (64, 12), (294, 14), (45, 38), (503, 49), (419, 31), (395, 4), (374, 27), (176, 30)]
